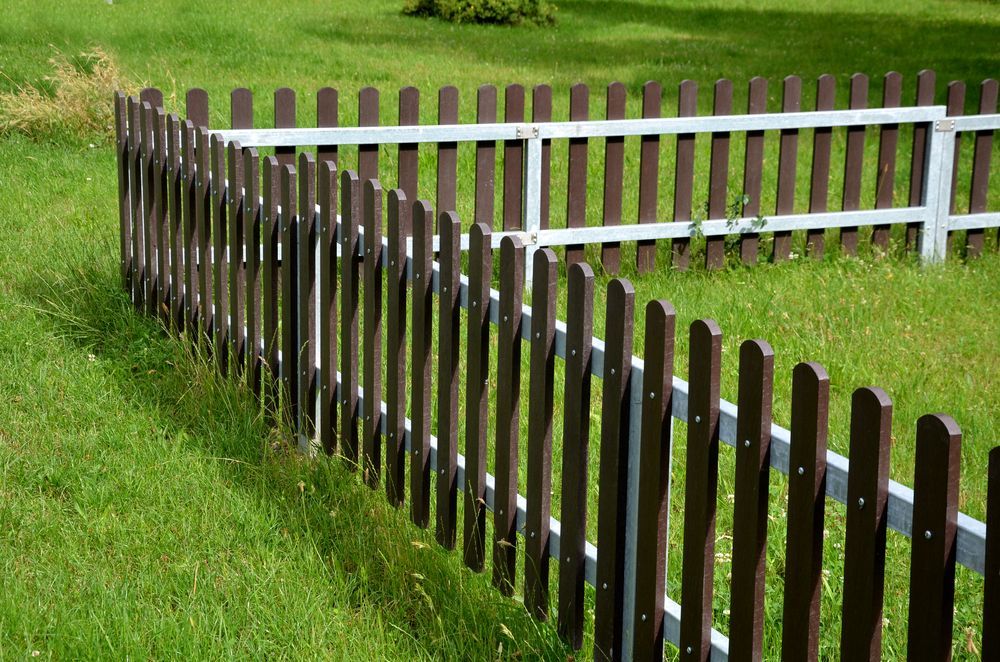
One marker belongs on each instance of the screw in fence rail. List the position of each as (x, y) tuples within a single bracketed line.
[(937, 190)]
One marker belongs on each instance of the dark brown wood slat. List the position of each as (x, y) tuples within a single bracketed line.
[(753, 166), (368, 109), (980, 183), (885, 180), (148, 179), (576, 452), (613, 472), (614, 173), (220, 261), (153, 96), (925, 97), (508, 413), (270, 282), (933, 549), (477, 394), (175, 207), (955, 106), (576, 183), (654, 481), (788, 150), (203, 224), (864, 547), (136, 210), (702, 473), (395, 350), (409, 157), (540, 408), (819, 183), (513, 160), (196, 107), (486, 150), (237, 269), (753, 467), (420, 389), (284, 117), (447, 153), (372, 349), (449, 342), (241, 108), (718, 175), (854, 163), (124, 191), (327, 115), (649, 176), (687, 106), (161, 220), (806, 504), (189, 188), (350, 264), (541, 111), (305, 291), (288, 276), (991, 565), (252, 229), (327, 306)]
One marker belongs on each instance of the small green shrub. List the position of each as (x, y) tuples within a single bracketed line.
[(495, 12)]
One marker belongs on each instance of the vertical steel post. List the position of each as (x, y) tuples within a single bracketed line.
[(532, 200), (936, 195)]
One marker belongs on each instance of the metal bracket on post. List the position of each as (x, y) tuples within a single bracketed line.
[(937, 191), (532, 195), (527, 131)]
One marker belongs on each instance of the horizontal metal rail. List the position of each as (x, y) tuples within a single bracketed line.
[(976, 122)]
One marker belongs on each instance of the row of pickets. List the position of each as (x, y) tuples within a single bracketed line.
[(251, 257)]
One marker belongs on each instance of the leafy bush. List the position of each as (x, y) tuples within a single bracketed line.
[(73, 103), (496, 12)]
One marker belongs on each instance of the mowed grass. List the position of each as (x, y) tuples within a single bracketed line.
[(146, 508)]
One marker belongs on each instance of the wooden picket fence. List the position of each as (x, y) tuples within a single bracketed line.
[(249, 253)]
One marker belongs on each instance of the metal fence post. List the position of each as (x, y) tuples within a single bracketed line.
[(937, 194), (532, 197)]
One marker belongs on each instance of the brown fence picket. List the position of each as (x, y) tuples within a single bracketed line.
[(305, 291), (409, 156), (241, 108), (540, 407), (189, 188), (395, 350), (513, 159), (447, 152), (284, 117), (806, 506), (933, 549), (327, 116), (252, 231), (853, 163), (576, 183), (196, 107), (649, 176), (270, 282), (161, 221), (753, 166), (576, 451), (420, 393), (372, 342), (368, 115), (819, 183), (924, 97), (153, 96), (687, 106), (477, 394), (237, 255), (613, 471), (220, 261), (979, 185), (327, 305), (289, 299), (864, 547), (541, 111), (148, 255), (135, 184), (350, 221), (449, 342), (885, 179), (203, 225), (991, 563), (718, 175), (486, 113), (124, 191), (702, 473), (614, 172), (508, 409), (654, 481), (788, 150), (175, 207), (753, 471)]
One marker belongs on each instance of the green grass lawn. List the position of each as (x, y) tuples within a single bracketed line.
[(146, 510)]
